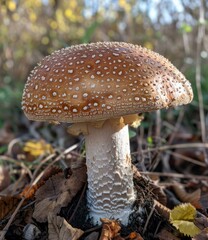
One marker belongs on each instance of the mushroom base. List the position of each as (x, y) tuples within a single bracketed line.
[(110, 177)]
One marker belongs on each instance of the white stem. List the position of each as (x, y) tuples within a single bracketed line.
[(110, 177)]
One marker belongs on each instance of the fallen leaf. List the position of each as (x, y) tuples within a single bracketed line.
[(37, 148), (7, 205), (29, 191), (110, 229), (92, 236), (134, 236), (57, 192), (182, 217), (16, 187), (60, 229), (203, 235), (4, 177), (184, 196), (165, 234), (201, 222)]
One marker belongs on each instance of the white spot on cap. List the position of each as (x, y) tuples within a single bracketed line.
[(85, 94), (70, 71), (74, 110), (54, 94)]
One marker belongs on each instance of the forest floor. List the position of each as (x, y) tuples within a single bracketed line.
[(43, 184)]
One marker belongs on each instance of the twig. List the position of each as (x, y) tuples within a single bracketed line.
[(14, 161), (177, 125), (168, 147), (176, 175), (188, 159), (158, 124), (148, 218), (78, 203)]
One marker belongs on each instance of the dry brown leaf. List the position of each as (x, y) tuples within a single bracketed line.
[(134, 236), (29, 191), (7, 205), (203, 235), (110, 229), (184, 196), (201, 222), (60, 229), (57, 192), (4, 177), (16, 187), (49, 172), (92, 236), (164, 234)]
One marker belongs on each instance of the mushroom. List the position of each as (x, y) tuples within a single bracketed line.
[(101, 87)]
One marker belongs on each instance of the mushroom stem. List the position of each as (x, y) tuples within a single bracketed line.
[(110, 176)]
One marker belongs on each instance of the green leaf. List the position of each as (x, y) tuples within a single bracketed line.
[(186, 28)]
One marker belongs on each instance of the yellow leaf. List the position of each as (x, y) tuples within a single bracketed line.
[(45, 40), (37, 148), (148, 45), (182, 217), (11, 5), (125, 5), (33, 17)]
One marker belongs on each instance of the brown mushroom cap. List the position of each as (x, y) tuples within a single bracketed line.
[(103, 80)]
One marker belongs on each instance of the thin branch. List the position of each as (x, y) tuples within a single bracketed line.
[(174, 146)]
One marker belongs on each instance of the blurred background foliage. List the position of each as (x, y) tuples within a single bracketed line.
[(30, 30)]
